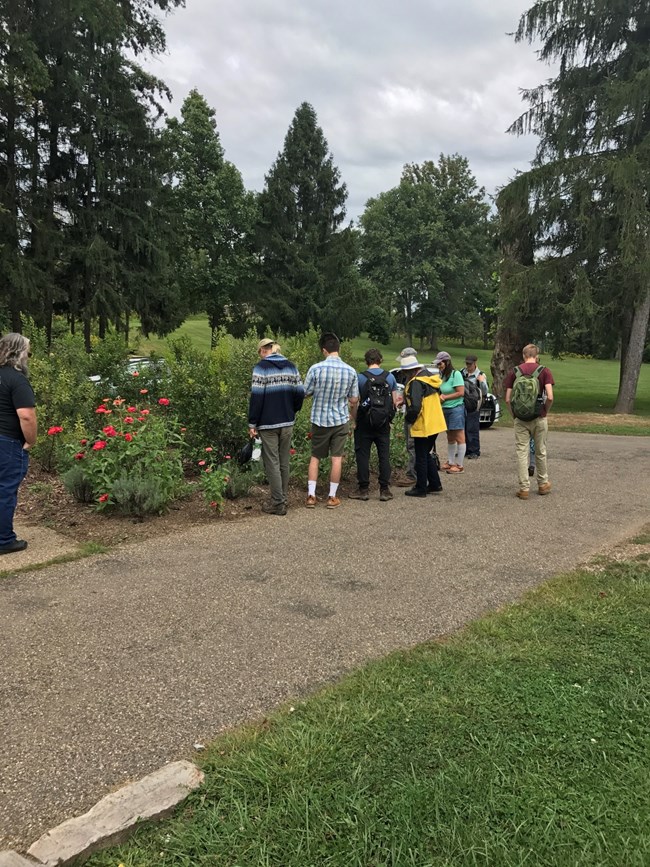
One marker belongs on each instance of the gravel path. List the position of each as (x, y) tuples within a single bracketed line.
[(113, 665)]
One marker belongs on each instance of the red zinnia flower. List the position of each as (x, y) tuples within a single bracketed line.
[(142, 418), (226, 457), (128, 437), (213, 504), (292, 451), (101, 409), (80, 456), (163, 401), (145, 411), (128, 419), (109, 430), (201, 463), (103, 498), (131, 409), (208, 449), (83, 442), (136, 373), (54, 430), (100, 444)]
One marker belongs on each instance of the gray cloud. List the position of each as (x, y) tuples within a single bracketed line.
[(391, 82)]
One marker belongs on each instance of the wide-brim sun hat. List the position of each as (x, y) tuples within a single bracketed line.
[(407, 351), (409, 362)]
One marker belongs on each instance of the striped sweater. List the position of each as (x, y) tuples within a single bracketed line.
[(277, 393)]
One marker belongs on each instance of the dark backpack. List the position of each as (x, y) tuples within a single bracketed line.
[(473, 394), (377, 404), (526, 401)]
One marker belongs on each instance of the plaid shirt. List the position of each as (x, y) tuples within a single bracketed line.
[(332, 382)]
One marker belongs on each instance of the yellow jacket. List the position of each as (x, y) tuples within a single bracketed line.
[(423, 407)]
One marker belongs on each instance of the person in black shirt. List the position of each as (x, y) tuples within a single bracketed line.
[(17, 433)]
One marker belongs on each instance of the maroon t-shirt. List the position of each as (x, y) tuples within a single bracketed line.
[(528, 367)]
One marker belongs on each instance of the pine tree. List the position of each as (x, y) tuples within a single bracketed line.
[(585, 200), (307, 261)]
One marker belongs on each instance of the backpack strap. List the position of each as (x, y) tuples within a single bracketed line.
[(370, 374), (535, 374)]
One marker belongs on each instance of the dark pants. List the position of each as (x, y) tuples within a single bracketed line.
[(14, 462), (426, 469), (472, 433), (364, 437)]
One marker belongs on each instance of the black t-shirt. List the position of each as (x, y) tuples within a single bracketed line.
[(15, 393)]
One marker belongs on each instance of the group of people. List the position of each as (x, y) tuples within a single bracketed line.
[(431, 397)]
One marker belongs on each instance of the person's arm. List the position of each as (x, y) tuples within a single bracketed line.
[(28, 425), (414, 402), (256, 402), (482, 381), (353, 397), (508, 394), (548, 388)]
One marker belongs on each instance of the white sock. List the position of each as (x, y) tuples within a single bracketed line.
[(334, 486), (451, 453), (462, 448), (311, 489)]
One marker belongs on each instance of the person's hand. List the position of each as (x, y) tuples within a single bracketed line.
[(27, 447), (252, 432)]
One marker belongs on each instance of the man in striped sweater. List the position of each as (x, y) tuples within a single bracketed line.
[(277, 394)]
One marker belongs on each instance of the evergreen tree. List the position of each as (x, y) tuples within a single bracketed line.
[(215, 217), (307, 262), (585, 200)]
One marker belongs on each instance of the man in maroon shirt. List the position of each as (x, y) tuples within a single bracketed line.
[(537, 428)]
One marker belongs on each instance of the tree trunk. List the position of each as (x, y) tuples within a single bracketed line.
[(632, 356), (507, 353)]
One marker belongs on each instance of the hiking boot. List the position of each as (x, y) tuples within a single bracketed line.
[(406, 482), (432, 490), (523, 494), (274, 508), (455, 469), (14, 547), (544, 489), (415, 492), (359, 494), (332, 503), (531, 471), (310, 502), (385, 494)]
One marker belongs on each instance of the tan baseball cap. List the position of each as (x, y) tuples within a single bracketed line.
[(265, 341)]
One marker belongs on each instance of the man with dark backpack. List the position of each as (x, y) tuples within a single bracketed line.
[(377, 397), (475, 390), (529, 395)]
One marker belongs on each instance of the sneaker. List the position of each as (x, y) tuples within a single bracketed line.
[(385, 495), (274, 508), (523, 494), (14, 547), (544, 489), (415, 492), (432, 490), (359, 494), (455, 469), (332, 503), (406, 482), (531, 471), (310, 502), (472, 457), (447, 466)]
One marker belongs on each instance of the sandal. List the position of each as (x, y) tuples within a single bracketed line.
[(455, 469), (447, 466)]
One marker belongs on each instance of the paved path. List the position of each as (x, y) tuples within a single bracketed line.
[(112, 665)]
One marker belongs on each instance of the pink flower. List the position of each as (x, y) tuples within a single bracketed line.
[(101, 409), (118, 401), (109, 430), (54, 430), (144, 391), (208, 449), (80, 456), (131, 409), (136, 373), (227, 458), (201, 463), (208, 469), (145, 411), (99, 445), (103, 498), (142, 418), (183, 429), (213, 504), (292, 451), (83, 442), (128, 419), (128, 437), (163, 401), (105, 399)]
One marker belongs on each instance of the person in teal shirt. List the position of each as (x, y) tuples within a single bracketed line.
[(452, 397)]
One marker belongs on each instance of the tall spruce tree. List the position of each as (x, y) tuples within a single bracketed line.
[(307, 262), (585, 201), (215, 218)]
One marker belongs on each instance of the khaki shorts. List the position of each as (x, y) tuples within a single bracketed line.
[(326, 441)]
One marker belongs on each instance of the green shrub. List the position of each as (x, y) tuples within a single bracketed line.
[(138, 495), (78, 485)]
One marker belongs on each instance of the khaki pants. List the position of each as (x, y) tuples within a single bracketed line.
[(276, 443), (538, 429)]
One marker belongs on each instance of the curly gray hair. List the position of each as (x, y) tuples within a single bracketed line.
[(14, 350)]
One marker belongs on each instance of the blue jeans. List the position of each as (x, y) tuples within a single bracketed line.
[(14, 461), (472, 433)]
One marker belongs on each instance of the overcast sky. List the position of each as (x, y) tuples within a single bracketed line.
[(391, 82)]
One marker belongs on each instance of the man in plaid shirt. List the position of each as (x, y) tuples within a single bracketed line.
[(334, 386)]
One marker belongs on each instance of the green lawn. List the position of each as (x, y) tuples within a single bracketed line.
[(524, 739), (582, 385)]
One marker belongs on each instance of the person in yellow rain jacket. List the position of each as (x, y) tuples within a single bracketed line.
[(424, 414)]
